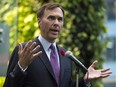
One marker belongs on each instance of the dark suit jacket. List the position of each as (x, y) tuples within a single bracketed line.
[(39, 73)]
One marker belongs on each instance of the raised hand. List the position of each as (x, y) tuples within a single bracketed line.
[(95, 74), (28, 53)]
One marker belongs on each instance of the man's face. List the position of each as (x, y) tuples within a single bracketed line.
[(51, 24)]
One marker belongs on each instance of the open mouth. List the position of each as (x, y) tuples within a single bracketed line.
[(54, 30)]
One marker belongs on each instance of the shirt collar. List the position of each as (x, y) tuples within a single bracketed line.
[(46, 44)]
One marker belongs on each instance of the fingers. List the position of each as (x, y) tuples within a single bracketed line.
[(94, 64), (105, 73), (35, 52), (30, 48), (28, 53), (33, 45), (104, 70), (20, 48), (26, 48)]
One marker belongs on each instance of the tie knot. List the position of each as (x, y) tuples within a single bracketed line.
[(52, 47)]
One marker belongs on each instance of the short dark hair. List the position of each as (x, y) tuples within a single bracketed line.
[(48, 6)]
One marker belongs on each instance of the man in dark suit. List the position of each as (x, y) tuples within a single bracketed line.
[(31, 63)]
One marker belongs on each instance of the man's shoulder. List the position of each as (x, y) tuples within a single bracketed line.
[(61, 48)]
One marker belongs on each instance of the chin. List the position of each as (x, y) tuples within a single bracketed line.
[(53, 39), (54, 36)]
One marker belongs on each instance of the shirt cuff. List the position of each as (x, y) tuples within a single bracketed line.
[(22, 68)]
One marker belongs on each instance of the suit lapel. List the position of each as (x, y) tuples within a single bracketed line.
[(45, 59), (62, 62)]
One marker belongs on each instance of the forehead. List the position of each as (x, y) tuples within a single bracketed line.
[(54, 12)]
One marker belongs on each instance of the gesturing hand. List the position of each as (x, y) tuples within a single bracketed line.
[(95, 74), (28, 53)]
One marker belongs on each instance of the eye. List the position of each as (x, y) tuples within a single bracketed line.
[(60, 19), (51, 18)]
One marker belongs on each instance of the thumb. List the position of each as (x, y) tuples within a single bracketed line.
[(94, 64)]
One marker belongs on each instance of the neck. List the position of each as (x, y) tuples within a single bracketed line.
[(49, 40)]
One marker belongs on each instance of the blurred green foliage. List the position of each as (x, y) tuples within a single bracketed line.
[(2, 81), (83, 31)]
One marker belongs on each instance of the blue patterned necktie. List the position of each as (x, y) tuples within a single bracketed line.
[(54, 63)]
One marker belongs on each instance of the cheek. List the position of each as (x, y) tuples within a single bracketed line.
[(61, 26), (46, 24), (43, 26), (45, 29)]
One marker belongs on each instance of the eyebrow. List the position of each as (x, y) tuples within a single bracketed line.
[(56, 16)]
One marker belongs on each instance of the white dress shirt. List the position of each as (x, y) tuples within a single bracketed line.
[(46, 45)]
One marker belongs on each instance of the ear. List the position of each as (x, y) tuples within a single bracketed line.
[(39, 21)]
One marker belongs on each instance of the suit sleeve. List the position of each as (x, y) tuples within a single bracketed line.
[(15, 76)]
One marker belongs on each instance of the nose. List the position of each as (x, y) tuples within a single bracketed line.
[(56, 22)]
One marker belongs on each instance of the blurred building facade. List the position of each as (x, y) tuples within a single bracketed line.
[(110, 60), (4, 48)]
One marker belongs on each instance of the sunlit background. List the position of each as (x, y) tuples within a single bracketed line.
[(110, 53)]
